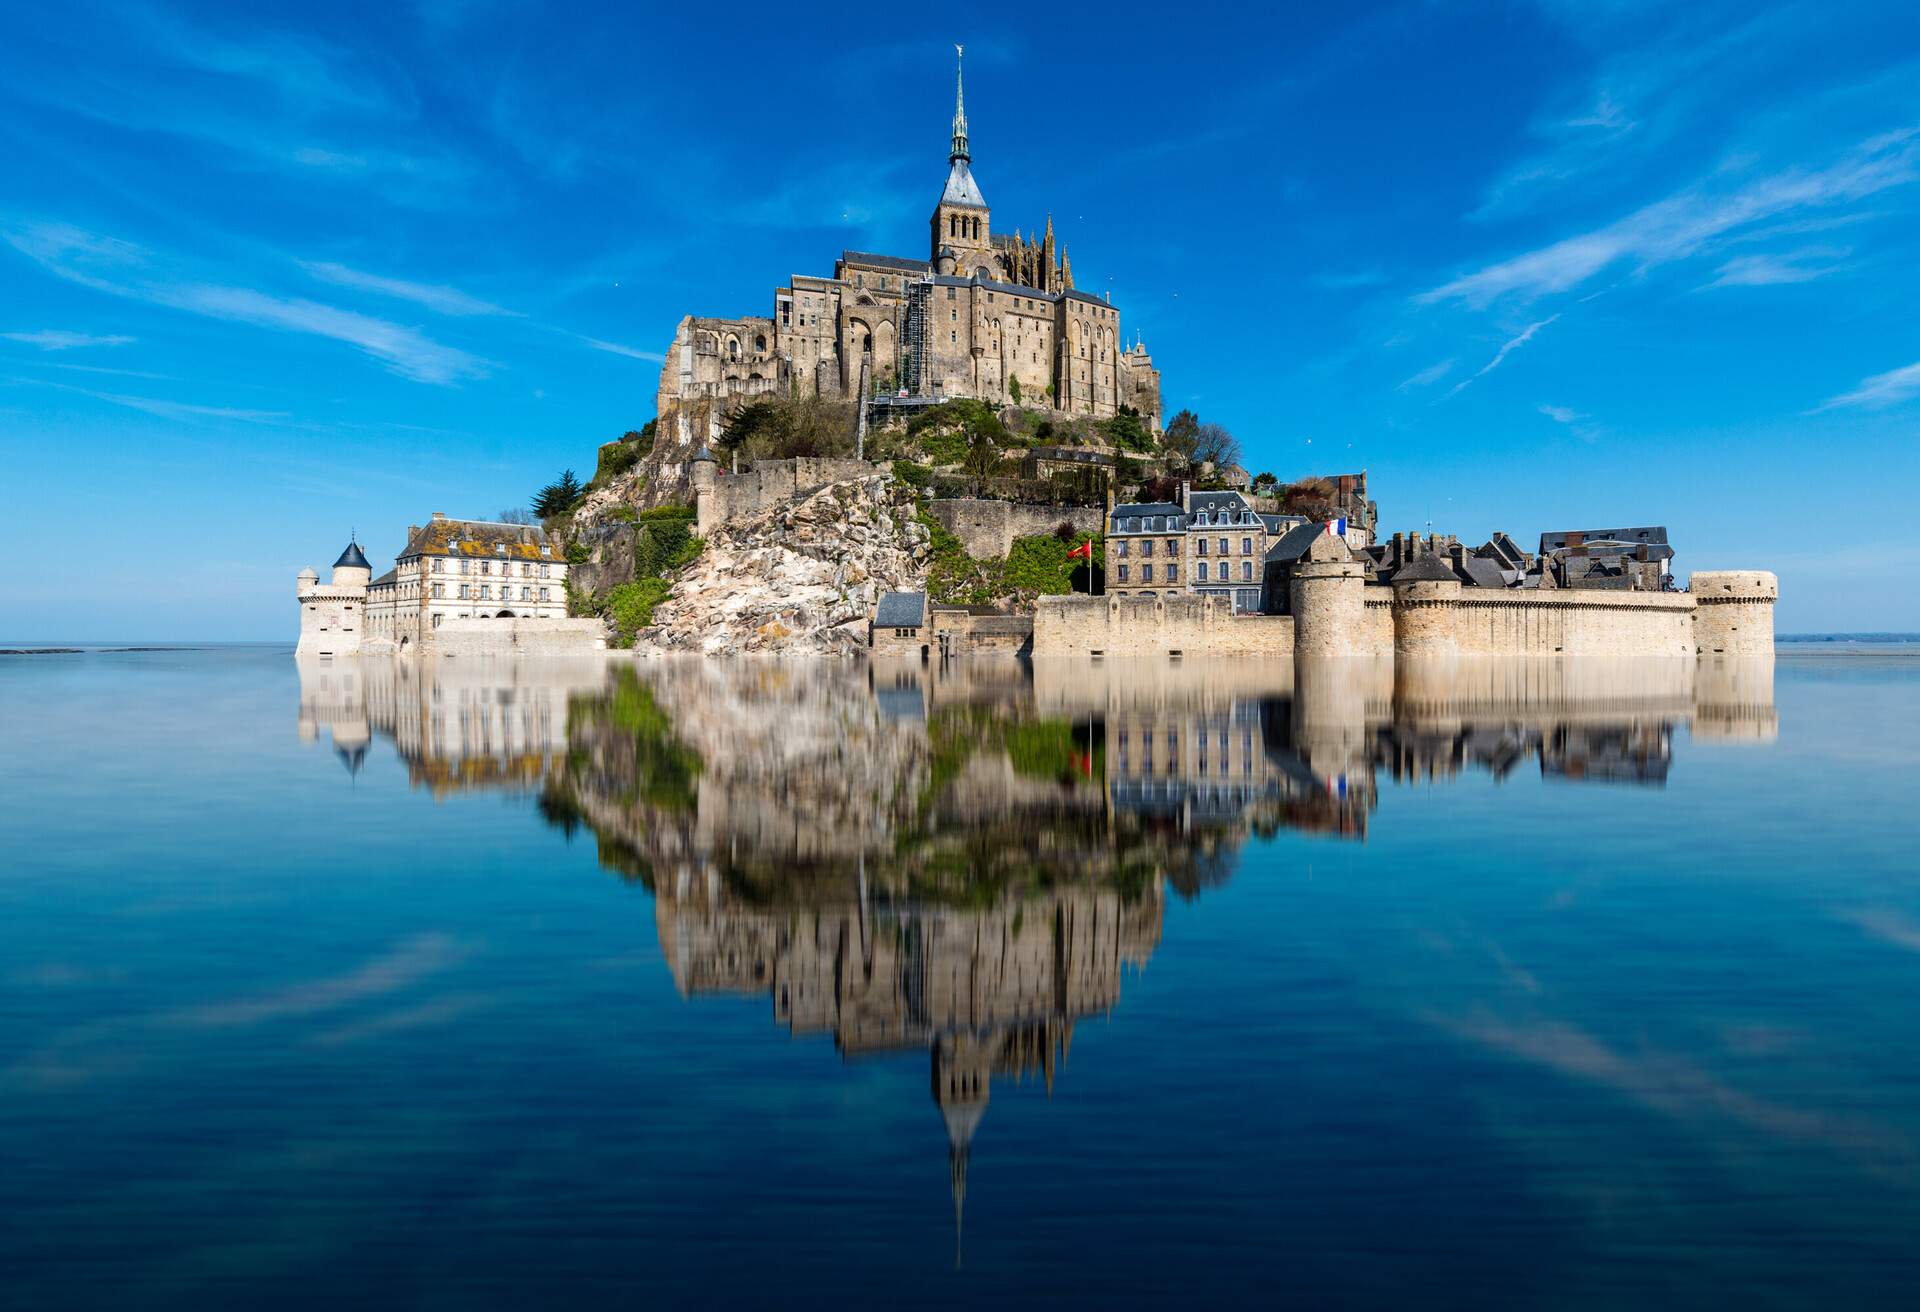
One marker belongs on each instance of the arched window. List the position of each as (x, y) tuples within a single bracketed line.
[(760, 341)]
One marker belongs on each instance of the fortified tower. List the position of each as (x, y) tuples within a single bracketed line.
[(1426, 598), (1328, 601), (1733, 613), (333, 615)]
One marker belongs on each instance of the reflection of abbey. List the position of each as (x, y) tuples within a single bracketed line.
[(986, 314)]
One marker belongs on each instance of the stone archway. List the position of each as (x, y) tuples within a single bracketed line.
[(504, 615)]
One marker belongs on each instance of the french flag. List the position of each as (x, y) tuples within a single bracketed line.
[(1336, 528)]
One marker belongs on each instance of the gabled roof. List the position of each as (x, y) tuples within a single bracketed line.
[(1295, 543), (961, 188), (900, 610), (1484, 573)]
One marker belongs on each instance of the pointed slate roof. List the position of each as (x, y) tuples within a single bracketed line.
[(1426, 569), (961, 188), (353, 557)]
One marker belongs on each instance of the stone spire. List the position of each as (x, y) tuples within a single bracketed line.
[(959, 108)]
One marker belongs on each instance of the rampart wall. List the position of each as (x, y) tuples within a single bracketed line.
[(1192, 626), (987, 528), (493, 637)]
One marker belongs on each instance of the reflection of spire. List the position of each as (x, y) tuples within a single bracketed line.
[(352, 757), (961, 1074)]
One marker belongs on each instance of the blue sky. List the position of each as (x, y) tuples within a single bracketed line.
[(269, 273)]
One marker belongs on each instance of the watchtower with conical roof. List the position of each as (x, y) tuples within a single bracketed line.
[(333, 615)]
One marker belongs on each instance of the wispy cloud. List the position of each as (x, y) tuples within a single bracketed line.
[(1432, 374), (1561, 414), (153, 405), (633, 353), (1878, 391), (120, 268), (1688, 222), (1772, 270), (438, 298), (1511, 345), (55, 339)]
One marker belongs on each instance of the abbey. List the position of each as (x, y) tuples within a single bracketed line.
[(985, 314)]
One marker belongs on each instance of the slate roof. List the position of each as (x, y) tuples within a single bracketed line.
[(476, 539), (1295, 543), (353, 557), (872, 261), (1612, 541), (385, 579), (961, 188), (1484, 573), (1212, 501), (900, 610), (1142, 511)]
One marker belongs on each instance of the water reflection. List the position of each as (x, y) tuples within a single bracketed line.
[(967, 861)]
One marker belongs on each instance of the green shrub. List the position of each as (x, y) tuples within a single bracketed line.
[(911, 474), (629, 607), (578, 554)]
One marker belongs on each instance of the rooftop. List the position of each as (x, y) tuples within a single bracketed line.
[(900, 610)]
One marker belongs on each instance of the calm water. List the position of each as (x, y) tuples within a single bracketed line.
[(800, 985)]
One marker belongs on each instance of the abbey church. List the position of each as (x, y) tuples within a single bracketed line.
[(986, 314)]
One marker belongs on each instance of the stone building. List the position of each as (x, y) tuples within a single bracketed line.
[(985, 314), (452, 569), (333, 618), (1209, 543)]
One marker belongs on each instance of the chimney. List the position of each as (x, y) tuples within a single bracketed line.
[(439, 516), (1186, 493), (1399, 549)]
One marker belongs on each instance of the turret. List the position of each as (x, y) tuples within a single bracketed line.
[(704, 474), (1327, 600), (352, 569), (1426, 599)]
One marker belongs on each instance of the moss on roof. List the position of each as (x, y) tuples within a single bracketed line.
[(478, 539)]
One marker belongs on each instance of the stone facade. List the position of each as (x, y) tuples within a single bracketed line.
[(1182, 624), (1207, 543), (1736, 611), (984, 314), (450, 569)]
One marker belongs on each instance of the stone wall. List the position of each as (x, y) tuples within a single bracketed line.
[(1190, 625), (484, 637), (764, 484), (987, 528), (1576, 622)]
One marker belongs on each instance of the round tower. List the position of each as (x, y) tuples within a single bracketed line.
[(1327, 600), (305, 581), (1426, 604), (352, 569), (704, 474), (1733, 611)]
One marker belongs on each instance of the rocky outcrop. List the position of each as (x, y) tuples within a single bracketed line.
[(802, 576)]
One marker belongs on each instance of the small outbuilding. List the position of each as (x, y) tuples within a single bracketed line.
[(899, 624)]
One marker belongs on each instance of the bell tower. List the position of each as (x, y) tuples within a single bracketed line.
[(961, 242)]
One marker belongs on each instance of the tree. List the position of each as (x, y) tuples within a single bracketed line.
[(782, 430), (517, 515), (1213, 444), (1264, 481), (1013, 389), (559, 496)]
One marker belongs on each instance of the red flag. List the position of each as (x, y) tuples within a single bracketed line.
[(1082, 552)]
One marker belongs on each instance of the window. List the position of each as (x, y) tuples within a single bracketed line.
[(464, 591), (1121, 550), (1246, 570), (1146, 547), (1246, 546), (1146, 573), (1202, 568), (949, 293), (1123, 578), (544, 592), (1223, 546), (466, 566), (436, 619), (439, 589), (1173, 573), (1201, 545), (437, 564), (1133, 524), (1173, 546)]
